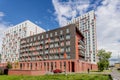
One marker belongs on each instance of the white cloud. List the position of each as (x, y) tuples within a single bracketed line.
[(1, 14), (70, 9), (108, 26), (107, 15)]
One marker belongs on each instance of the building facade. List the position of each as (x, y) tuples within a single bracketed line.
[(61, 48), (11, 41), (55, 44), (87, 25), (117, 65)]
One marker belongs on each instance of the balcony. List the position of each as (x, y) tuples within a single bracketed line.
[(46, 46), (81, 42), (40, 52), (81, 53), (23, 41), (81, 47), (35, 54)]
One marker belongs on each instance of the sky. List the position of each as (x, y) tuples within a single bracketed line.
[(51, 14)]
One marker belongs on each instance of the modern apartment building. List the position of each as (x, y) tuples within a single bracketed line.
[(87, 25), (62, 43), (61, 48), (11, 41)]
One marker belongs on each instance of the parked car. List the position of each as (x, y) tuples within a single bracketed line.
[(57, 71)]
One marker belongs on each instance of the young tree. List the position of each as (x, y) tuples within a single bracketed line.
[(9, 65), (103, 59), (16, 64)]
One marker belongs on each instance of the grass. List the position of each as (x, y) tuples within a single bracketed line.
[(57, 77), (118, 70), (101, 72)]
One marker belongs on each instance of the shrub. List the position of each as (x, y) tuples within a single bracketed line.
[(1, 71), (100, 66), (57, 71)]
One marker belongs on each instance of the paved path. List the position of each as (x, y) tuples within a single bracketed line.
[(115, 74)]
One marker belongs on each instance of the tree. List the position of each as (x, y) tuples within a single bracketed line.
[(9, 65), (103, 59), (16, 64)]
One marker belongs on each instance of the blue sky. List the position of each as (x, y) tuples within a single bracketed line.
[(41, 12), (38, 11), (50, 14)]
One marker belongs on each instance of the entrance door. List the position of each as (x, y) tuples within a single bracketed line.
[(73, 67)]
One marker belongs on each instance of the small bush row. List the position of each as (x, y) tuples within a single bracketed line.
[(1, 71)]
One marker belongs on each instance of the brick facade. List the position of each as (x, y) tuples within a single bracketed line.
[(44, 67), (26, 72)]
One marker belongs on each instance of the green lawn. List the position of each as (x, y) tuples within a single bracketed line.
[(58, 77), (118, 70), (103, 72)]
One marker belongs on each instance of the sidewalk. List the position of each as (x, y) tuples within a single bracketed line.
[(115, 74)]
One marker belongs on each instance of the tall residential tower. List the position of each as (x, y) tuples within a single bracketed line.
[(11, 41), (87, 25)]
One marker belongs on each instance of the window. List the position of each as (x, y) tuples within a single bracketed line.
[(56, 39), (51, 35), (19, 29), (41, 36), (62, 49), (41, 52), (51, 45), (46, 46), (46, 51), (62, 43), (56, 56), (67, 42), (27, 40), (67, 36), (41, 42), (31, 39), (61, 32), (61, 56), (51, 40), (62, 37), (34, 38), (25, 24), (68, 49), (14, 32), (46, 41), (50, 56), (56, 44), (67, 31), (46, 35), (38, 37), (55, 33)]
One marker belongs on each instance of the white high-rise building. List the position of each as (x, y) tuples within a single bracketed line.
[(87, 25), (11, 41)]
